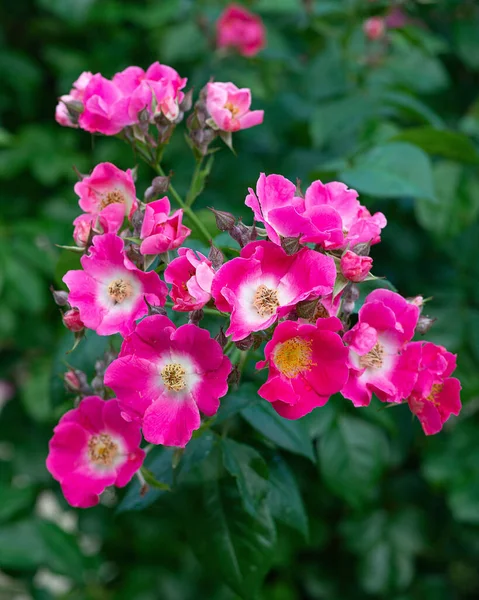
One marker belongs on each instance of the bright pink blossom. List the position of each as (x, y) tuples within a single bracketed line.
[(62, 115), (92, 448), (307, 364), (158, 90), (264, 283), (161, 231), (329, 215), (109, 195), (110, 291), (165, 376), (228, 107), (72, 321), (436, 395), (354, 267), (240, 29), (374, 28), (105, 107), (379, 363), (191, 276)]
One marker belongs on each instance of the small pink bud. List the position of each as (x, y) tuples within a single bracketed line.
[(374, 28), (72, 321), (417, 301), (72, 381), (355, 268)]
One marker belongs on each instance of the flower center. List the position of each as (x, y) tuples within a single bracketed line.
[(374, 358), (234, 110), (265, 301), (114, 197), (120, 290), (436, 389), (102, 450), (293, 357), (174, 377)]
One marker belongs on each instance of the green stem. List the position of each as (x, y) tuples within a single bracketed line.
[(205, 309), (186, 208)]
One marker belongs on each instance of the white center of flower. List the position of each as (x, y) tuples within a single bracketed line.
[(174, 377), (119, 290), (265, 301), (102, 450), (373, 359)]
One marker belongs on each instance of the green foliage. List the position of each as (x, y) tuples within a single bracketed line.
[(340, 504)]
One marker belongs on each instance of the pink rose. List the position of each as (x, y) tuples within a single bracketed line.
[(228, 107), (191, 276), (105, 107), (374, 28), (161, 232), (354, 267), (240, 29), (62, 114), (72, 321)]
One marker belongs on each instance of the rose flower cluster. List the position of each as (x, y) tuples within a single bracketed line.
[(288, 295)]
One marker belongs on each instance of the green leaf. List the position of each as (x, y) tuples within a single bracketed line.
[(352, 455), (278, 6), (152, 481), (290, 435), (411, 106), (246, 395), (448, 144), (284, 497), (249, 469), (21, 546), (392, 170), (35, 391), (232, 544), (366, 287), (14, 501), (62, 554), (467, 40)]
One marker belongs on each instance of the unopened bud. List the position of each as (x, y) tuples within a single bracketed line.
[(159, 186), (424, 324), (195, 316), (290, 245), (307, 309), (243, 234), (417, 301), (137, 221), (350, 295), (234, 377), (72, 321), (76, 382), (187, 101), (221, 338), (59, 296), (154, 310), (246, 343), (225, 221), (216, 257)]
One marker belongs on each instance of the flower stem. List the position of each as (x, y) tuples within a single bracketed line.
[(205, 309)]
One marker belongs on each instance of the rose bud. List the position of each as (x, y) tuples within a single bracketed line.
[(355, 268), (72, 321)]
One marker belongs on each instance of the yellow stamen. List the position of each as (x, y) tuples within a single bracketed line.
[(234, 110), (114, 197), (436, 389), (102, 450), (265, 301), (374, 358), (174, 377), (293, 357), (119, 290)]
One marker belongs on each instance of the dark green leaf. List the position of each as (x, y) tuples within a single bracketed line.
[(14, 500), (448, 144)]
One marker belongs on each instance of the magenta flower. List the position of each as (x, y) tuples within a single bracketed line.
[(264, 283), (110, 291), (161, 232), (354, 267), (105, 107), (109, 194), (307, 364), (165, 376), (191, 276), (228, 107), (379, 363), (62, 115), (71, 320), (436, 395), (337, 217), (240, 29), (92, 448), (158, 90), (374, 28)]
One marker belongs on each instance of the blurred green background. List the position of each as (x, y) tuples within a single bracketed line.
[(374, 508)]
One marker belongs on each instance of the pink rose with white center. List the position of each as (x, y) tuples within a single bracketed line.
[(264, 284), (379, 363), (240, 29), (165, 376), (105, 107), (92, 448), (109, 194), (307, 364), (191, 276), (161, 231), (436, 395), (110, 291), (158, 90), (228, 107), (354, 267)]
